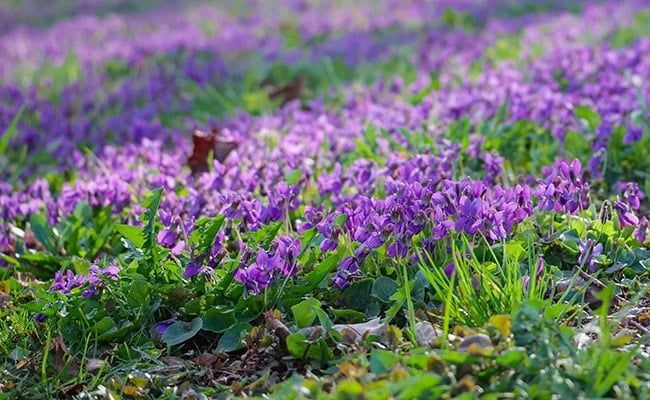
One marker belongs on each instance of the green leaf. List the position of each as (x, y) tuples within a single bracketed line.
[(325, 321), (205, 231), (366, 151), (301, 347), (43, 232), (513, 358), (305, 312), (291, 177), (421, 387), (18, 353), (454, 357), (179, 332), (11, 130), (382, 360), (115, 332), (348, 315), (383, 288), (319, 273), (588, 115), (357, 295), (133, 233), (232, 337), (266, 234), (137, 293), (150, 240), (218, 321), (103, 325), (515, 249)]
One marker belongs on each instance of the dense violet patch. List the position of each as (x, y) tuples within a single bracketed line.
[(66, 282), (292, 166)]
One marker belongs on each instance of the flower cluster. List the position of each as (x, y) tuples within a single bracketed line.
[(564, 188), (269, 265), (382, 168), (93, 282)]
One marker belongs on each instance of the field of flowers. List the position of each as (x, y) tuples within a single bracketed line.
[(318, 199)]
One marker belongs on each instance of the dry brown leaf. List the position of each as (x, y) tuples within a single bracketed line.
[(22, 363), (289, 92), (204, 142), (60, 350), (72, 390), (475, 343), (5, 301), (355, 332), (206, 360), (277, 326), (172, 361), (592, 287), (94, 364), (426, 334)]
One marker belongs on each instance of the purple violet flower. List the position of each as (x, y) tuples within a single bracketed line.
[(589, 250), (162, 326), (625, 216)]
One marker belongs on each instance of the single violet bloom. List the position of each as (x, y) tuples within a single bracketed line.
[(162, 326)]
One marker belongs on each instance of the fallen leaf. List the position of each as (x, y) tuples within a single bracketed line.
[(502, 323), (277, 326), (204, 142), (60, 350), (426, 334), (132, 391), (94, 364), (22, 363), (350, 370), (206, 360), (354, 332), (139, 379), (72, 390), (466, 384), (5, 301), (172, 361), (289, 92), (592, 287), (475, 344)]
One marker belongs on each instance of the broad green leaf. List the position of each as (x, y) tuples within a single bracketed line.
[(455, 357), (513, 358), (133, 233), (116, 332), (426, 386), (218, 321), (137, 293), (349, 315), (319, 273), (232, 337), (103, 325), (305, 312), (515, 249), (43, 232), (292, 176), (179, 331), (382, 360), (357, 295), (587, 114), (301, 347), (383, 288), (205, 231)]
